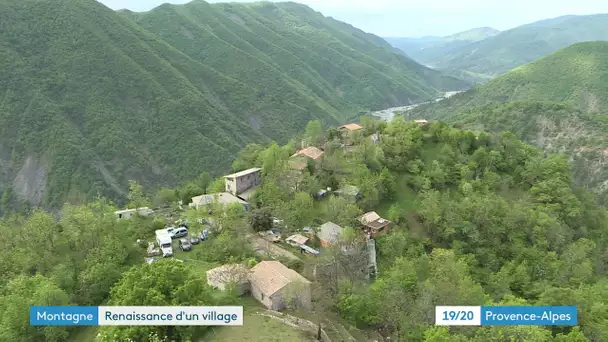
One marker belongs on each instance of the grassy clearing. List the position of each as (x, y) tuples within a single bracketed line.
[(257, 328), (407, 201), (405, 198), (335, 326)]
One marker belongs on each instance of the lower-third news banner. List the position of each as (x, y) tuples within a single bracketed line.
[(506, 315), (136, 315)]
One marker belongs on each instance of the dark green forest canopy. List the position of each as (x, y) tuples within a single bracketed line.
[(90, 98), (480, 219)]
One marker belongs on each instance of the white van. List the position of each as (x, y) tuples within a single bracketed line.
[(164, 242)]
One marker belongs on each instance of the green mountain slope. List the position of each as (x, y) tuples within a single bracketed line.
[(575, 75), (507, 50), (552, 103), (90, 98)]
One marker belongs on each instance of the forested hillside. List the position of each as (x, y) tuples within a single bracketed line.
[(90, 98), (553, 103), (430, 50), (479, 219), (509, 49), (575, 75), (555, 128)]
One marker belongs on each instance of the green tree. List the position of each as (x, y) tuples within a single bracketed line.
[(165, 196), (260, 219), (163, 283), (342, 212), (248, 157), (137, 198), (273, 159), (189, 190), (298, 212), (389, 184), (229, 246), (442, 334), (395, 213), (314, 133), (218, 185), (401, 143), (21, 293), (204, 179)]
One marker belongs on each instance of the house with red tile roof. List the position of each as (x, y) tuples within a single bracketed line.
[(351, 127), (311, 152)]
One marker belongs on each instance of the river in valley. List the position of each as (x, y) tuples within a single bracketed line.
[(389, 113)]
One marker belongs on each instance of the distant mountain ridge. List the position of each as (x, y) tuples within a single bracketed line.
[(90, 97), (473, 35), (412, 45), (506, 50), (425, 49)]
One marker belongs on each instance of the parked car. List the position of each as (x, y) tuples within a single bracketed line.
[(277, 223), (204, 235), (179, 232), (269, 235), (185, 245), (194, 240), (276, 231)]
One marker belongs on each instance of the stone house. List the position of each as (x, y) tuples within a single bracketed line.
[(277, 287), (128, 213), (224, 198), (311, 152), (242, 182), (225, 275), (350, 132)]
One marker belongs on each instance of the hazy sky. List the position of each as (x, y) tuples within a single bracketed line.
[(402, 18)]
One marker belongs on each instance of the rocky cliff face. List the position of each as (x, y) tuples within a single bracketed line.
[(30, 182)]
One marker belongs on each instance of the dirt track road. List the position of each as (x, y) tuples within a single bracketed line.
[(269, 248)]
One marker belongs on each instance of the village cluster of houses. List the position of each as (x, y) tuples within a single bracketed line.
[(270, 282), (241, 186)]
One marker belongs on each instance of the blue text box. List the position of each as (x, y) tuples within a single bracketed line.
[(529, 315), (64, 315)]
